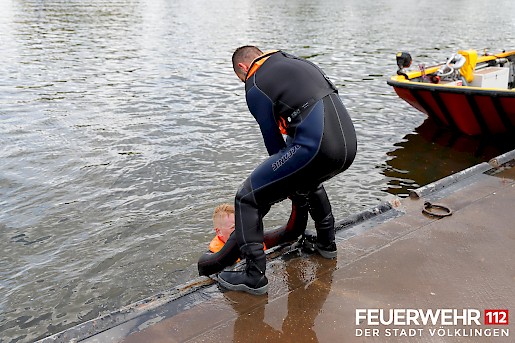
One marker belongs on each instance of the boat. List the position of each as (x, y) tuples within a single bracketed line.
[(469, 93)]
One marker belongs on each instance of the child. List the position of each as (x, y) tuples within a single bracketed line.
[(223, 249), (223, 223)]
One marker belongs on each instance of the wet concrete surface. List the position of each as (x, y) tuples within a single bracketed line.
[(406, 260)]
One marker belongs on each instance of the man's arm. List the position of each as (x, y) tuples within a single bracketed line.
[(261, 108)]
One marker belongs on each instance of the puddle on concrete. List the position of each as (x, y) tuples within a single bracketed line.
[(506, 171), (299, 288)]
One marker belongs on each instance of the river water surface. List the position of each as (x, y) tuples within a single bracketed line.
[(122, 126)]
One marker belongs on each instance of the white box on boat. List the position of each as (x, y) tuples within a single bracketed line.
[(491, 77)]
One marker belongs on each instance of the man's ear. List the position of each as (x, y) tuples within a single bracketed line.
[(243, 67), (218, 231)]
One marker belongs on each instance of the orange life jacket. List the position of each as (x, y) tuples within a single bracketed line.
[(217, 244)]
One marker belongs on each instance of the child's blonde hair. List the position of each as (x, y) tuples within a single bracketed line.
[(222, 209)]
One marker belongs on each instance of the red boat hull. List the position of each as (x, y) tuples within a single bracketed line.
[(470, 110)]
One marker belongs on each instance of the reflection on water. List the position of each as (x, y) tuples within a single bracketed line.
[(412, 162), (122, 126)]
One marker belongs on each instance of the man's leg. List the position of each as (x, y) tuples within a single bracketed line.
[(320, 211), (250, 237)]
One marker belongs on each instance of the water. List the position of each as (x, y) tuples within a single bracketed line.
[(122, 126)]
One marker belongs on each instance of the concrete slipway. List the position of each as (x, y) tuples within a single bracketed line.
[(390, 257)]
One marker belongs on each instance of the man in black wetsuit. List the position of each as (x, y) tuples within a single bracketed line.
[(288, 95)]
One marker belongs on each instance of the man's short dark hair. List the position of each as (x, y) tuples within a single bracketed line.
[(244, 54)]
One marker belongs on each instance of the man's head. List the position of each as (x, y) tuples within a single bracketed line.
[(223, 221), (242, 58)]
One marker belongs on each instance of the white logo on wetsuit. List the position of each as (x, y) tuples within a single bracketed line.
[(277, 164)]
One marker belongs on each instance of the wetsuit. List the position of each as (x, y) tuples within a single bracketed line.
[(289, 94)]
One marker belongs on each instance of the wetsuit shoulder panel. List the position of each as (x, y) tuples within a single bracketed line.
[(290, 82), (262, 108)]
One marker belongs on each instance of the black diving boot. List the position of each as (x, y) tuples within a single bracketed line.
[(327, 251), (251, 280), (320, 210), (325, 245)]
